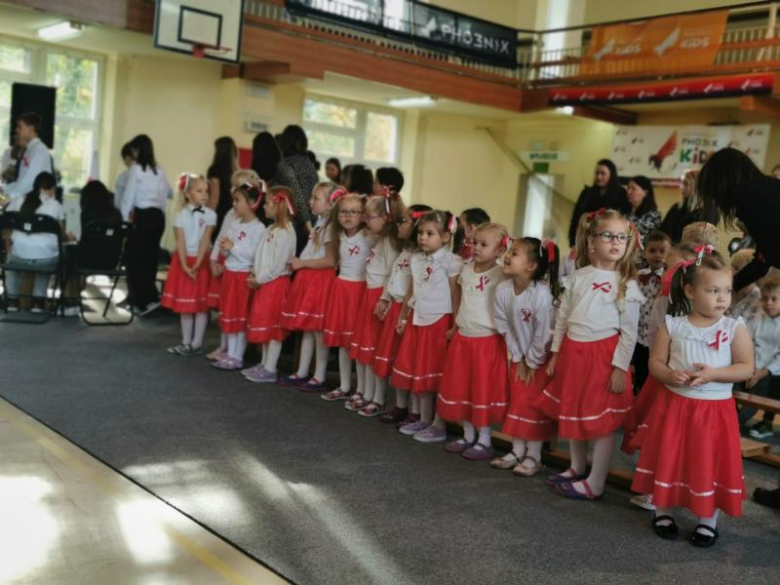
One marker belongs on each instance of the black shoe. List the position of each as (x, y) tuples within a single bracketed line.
[(703, 540), (665, 531), (766, 497), (761, 431)]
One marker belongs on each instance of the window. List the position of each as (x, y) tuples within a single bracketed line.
[(77, 78), (355, 133)]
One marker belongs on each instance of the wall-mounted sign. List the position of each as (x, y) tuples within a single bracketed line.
[(547, 156)]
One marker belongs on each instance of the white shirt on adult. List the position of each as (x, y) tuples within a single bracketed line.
[(194, 221), (37, 246), (36, 160), (146, 189)]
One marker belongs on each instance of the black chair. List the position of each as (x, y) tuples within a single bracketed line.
[(101, 252), (32, 224)]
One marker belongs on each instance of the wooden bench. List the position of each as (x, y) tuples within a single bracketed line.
[(761, 403)]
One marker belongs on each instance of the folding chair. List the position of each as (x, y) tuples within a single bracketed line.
[(101, 252), (32, 224)]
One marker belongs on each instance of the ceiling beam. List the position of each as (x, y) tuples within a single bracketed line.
[(605, 114), (764, 105)]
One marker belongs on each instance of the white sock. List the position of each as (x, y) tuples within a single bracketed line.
[(603, 449), (534, 450), (360, 370), (712, 522), (187, 320), (231, 344), (370, 383), (484, 436), (306, 353), (272, 355), (426, 406), (239, 346), (223, 341), (345, 370), (469, 434), (518, 449), (415, 401), (201, 322), (379, 389), (664, 512), (321, 357)]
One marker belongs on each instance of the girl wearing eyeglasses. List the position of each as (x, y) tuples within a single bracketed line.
[(595, 333)]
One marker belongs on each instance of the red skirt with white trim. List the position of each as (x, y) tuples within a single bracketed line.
[(524, 420), (578, 396), (304, 309), (475, 384), (341, 312), (369, 328), (215, 285), (183, 294), (635, 425), (266, 312), (234, 300), (419, 365), (691, 456), (389, 342)]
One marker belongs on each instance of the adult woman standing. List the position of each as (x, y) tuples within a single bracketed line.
[(742, 192), (144, 202), (606, 192), (690, 210), (641, 207), (223, 165), (294, 146)]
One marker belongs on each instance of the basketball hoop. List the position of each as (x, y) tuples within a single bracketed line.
[(199, 50)]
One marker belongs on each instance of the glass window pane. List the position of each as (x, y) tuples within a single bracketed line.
[(5, 128), (5, 93), (17, 59), (325, 113), (331, 144), (73, 154), (76, 83), (381, 137)]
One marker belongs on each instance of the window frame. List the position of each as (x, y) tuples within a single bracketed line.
[(358, 134)]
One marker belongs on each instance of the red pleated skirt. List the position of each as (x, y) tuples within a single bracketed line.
[(234, 301), (215, 285), (183, 294), (475, 384), (265, 314), (341, 312), (692, 456), (389, 341), (524, 420), (304, 309), (369, 328), (419, 365), (578, 397), (635, 423)]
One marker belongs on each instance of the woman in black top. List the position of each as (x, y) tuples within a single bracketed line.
[(224, 164), (690, 210), (742, 192), (97, 204), (294, 146), (641, 207), (606, 192)]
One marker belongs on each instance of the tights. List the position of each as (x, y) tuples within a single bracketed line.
[(193, 328), (236, 345), (603, 448), (470, 433), (312, 345), (345, 370)]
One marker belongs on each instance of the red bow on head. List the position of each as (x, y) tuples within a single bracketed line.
[(548, 247), (337, 194), (452, 226), (506, 241), (600, 211), (386, 193), (416, 215), (666, 281), (282, 196), (720, 337), (184, 180), (701, 250)]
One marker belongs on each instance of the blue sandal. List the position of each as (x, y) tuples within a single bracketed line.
[(567, 490)]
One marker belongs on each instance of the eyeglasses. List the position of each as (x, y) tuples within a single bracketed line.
[(370, 217), (608, 237), (349, 212)]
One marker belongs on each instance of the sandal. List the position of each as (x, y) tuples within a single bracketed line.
[(394, 415), (292, 380), (356, 402), (504, 463), (372, 409), (178, 349), (665, 531), (560, 477), (458, 446), (313, 385), (337, 394), (704, 540), (524, 471), (567, 490)]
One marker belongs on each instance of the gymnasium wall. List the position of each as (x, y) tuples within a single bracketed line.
[(611, 10)]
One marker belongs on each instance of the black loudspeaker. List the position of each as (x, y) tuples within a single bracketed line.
[(40, 99)]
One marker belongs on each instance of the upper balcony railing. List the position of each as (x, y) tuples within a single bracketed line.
[(749, 41)]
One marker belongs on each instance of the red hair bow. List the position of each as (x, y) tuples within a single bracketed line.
[(337, 194), (701, 250), (184, 181), (280, 196), (506, 241), (452, 226), (548, 247), (666, 281), (416, 215), (600, 211), (386, 193)]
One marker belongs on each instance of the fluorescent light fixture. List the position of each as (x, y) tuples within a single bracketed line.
[(412, 102), (60, 31), (566, 110)]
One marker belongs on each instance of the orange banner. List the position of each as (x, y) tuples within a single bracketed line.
[(668, 44)]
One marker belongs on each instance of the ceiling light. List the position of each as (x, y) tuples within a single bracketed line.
[(60, 31), (412, 102)]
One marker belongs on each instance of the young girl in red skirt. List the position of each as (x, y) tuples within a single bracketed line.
[(188, 277), (691, 454), (434, 297), (217, 263), (525, 316), (387, 310), (341, 322), (239, 246), (474, 388), (383, 212), (270, 279), (595, 332), (304, 309)]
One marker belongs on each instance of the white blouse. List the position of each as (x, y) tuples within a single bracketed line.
[(246, 238), (590, 311), (353, 256), (37, 246), (273, 254), (193, 223), (478, 293), (526, 321), (398, 284), (380, 263), (431, 275), (145, 189), (703, 345), (318, 250)]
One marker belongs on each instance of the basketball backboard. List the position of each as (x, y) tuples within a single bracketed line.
[(202, 28)]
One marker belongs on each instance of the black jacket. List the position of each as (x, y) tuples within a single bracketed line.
[(591, 199), (758, 207)]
